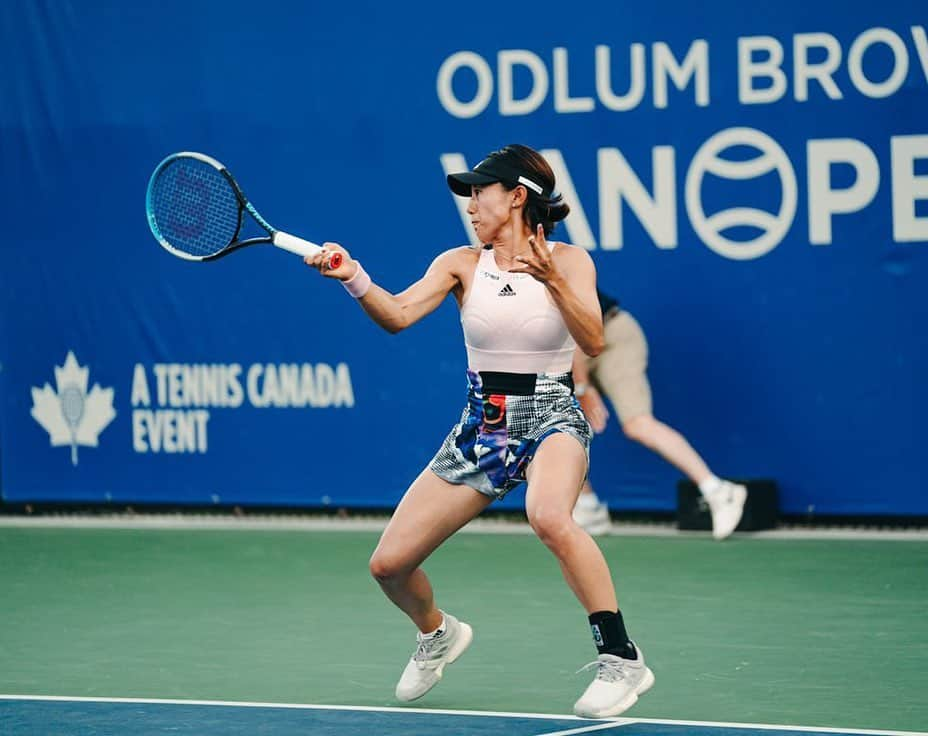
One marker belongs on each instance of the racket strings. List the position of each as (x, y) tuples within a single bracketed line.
[(195, 207)]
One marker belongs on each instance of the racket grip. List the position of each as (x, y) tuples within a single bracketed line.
[(294, 244), (303, 248)]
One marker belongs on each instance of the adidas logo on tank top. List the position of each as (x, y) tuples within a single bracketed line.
[(507, 290)]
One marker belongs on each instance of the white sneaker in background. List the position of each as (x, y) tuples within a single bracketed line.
[(726, 504), (616, 688), (594, 518), (432, 653)]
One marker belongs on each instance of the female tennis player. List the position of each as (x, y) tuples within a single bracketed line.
[(526, 303)]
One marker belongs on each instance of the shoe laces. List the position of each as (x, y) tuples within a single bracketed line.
[(608, 669), (424, 649)]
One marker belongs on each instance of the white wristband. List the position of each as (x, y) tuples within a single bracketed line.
[(580, 388), (358, 284)]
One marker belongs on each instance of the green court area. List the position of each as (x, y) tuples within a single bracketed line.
[(810, 632)]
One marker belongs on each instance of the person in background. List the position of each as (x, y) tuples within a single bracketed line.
[(620, 372)]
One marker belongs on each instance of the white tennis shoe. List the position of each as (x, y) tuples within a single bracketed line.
[(616, 688), (433, 652), (726, 504)]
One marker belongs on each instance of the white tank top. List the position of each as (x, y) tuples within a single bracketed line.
[(511, 325)]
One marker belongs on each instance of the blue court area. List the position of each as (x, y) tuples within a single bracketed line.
[(47, 717), (26, 716)]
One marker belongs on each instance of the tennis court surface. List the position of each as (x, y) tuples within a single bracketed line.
[(136, 631)]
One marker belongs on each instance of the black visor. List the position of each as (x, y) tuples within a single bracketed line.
[(489, 171)]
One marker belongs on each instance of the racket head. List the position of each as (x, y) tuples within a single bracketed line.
[(194, 206)]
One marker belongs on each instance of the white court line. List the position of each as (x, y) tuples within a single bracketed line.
[(584, 729), (613, 722), (193, 523), (304, 706), (478, 526)]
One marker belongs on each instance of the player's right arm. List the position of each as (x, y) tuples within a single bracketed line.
[(395, 312)]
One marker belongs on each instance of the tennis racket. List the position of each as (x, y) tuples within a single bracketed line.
[(196, 211)]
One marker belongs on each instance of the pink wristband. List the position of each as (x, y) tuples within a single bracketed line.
[(358, 284)]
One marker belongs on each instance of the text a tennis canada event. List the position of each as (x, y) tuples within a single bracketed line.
[(172, 401)]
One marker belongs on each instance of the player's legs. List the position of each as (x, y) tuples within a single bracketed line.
[(554, 479), (430, 512), (591, 513)]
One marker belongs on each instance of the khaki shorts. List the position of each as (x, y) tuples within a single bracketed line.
[(620, 370)]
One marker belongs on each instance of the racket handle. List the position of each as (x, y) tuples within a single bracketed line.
[(294, 244), (303, 247)]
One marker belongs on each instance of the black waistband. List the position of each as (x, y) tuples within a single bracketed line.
[(512, 384)]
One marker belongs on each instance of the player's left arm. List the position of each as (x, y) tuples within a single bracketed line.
[(574, 293), (570, 277)]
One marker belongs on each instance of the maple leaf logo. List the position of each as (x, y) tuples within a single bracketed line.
[(70, 415)]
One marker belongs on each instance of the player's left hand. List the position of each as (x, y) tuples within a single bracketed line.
[(539, 264)]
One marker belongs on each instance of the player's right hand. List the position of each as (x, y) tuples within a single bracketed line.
[(322, 262)]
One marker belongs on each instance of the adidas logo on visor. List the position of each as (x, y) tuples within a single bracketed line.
[(507, 290)]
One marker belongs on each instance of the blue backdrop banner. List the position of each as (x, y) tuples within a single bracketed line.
[(752, 185)]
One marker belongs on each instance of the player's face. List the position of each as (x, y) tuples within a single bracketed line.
[(490, 209)]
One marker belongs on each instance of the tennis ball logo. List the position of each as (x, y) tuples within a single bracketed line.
[(773, 226), (69, 414)]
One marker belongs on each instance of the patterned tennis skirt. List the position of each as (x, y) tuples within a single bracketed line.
[(499, 433)]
